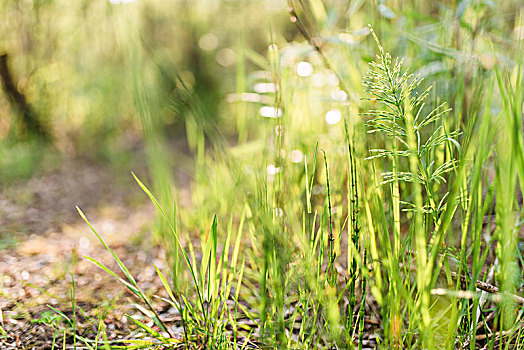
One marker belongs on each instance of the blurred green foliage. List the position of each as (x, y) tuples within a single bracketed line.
[(73, 62)]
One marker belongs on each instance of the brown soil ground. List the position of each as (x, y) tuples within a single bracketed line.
[(43, 241)]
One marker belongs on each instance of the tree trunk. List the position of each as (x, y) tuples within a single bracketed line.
[(29, 120)]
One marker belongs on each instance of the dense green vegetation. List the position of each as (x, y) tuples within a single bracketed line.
[(351, 184)]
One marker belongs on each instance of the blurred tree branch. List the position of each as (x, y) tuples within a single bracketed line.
[(18, 102)]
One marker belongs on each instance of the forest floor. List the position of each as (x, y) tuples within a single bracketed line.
[(43, 242)]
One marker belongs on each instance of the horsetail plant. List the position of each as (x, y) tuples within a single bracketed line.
[(406, 123), (353, 233), (403, 119)]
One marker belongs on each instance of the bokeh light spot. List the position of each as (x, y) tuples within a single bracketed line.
[(208, 41), (333, 116), (304, 69)]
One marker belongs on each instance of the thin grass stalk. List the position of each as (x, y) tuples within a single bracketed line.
[(241, 106), (331, 274), (362, 309), (419, 232), (353, 228), (73, 308)]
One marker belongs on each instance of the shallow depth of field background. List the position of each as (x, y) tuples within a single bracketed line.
[(225, 108)]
